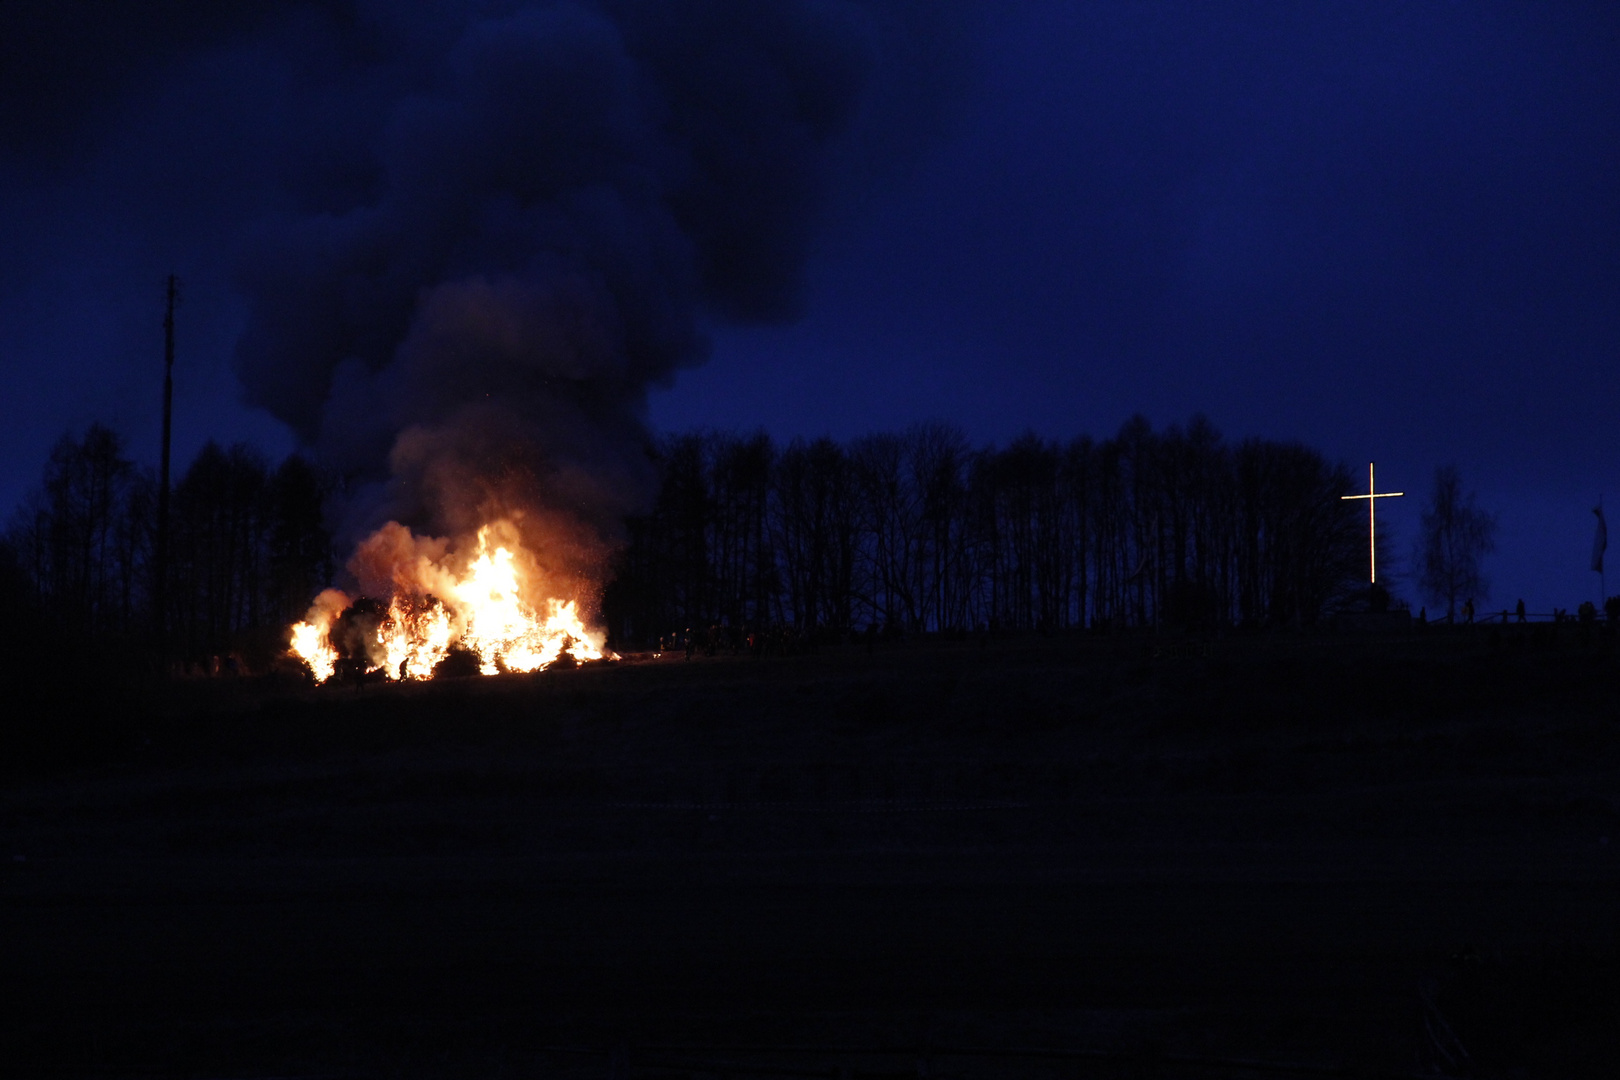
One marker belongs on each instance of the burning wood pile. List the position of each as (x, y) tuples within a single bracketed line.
[(445, 612)]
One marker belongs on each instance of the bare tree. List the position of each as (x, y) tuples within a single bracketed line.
[(1456, 536), (81, 537)]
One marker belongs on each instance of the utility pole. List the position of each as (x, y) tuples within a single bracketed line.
[(160, 570)]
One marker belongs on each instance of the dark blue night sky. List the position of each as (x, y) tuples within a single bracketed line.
[(1389, 230)]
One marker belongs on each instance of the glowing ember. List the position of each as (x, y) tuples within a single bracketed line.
[(482, 609)]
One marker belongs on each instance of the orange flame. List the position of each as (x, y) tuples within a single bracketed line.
[(482, 609), (311, 640)]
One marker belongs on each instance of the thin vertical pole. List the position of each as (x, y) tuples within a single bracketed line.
[(160, 602), (1372, 498), (1372, 528)]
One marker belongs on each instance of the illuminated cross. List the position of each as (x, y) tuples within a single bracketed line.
[(1372, 497)]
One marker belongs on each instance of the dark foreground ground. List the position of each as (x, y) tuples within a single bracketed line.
[(1350, 856)]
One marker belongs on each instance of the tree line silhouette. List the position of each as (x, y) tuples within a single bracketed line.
[(247, 551), (923, 532), (913, 532)]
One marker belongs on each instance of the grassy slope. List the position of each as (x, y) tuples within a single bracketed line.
[(1278, 849)]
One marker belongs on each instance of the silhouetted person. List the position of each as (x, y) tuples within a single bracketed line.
[(1519, 610), (1468, 611), (404, 668)]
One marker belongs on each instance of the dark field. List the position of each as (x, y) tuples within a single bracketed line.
[(1355, 855)]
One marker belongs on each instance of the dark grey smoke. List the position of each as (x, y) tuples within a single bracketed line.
[(539, 223), (470, 234)]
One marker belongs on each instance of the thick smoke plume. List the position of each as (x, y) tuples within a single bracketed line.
[(542, 217), (477, 231)]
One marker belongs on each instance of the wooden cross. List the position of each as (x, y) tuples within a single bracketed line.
[(1372, 497)]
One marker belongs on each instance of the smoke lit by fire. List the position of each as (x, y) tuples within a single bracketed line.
[(520, 219), (491, 604)]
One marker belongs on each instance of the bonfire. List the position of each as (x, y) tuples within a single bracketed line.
[(484, 607)]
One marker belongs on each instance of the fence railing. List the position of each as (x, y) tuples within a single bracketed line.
[(1506, 617)]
